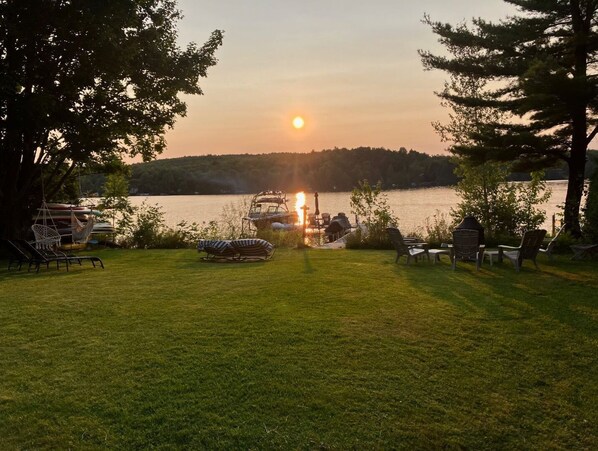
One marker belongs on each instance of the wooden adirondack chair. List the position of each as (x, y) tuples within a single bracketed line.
[(467, 247), (411, 250), (551, 244), (527, 250)]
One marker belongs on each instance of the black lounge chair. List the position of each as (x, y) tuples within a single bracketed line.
[(17, 256), (47, 256), (37, 257)]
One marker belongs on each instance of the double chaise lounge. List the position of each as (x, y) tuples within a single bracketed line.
[(241, 250)]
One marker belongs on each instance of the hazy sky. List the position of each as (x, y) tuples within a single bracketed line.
[(350, 68)]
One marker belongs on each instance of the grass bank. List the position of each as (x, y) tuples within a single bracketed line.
[(314, 349)]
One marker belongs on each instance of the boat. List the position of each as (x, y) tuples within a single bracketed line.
[(339, 226), (268, 208), (101, 228)]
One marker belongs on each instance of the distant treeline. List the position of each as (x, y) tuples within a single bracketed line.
[(328, 170)]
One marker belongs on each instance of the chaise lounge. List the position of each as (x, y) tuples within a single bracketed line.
[(216, 250), (241, 250), (253, 249), (46, 256)]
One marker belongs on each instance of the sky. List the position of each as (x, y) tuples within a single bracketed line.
[(350, 68)]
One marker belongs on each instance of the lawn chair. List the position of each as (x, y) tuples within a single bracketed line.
[(527, 250), (467, 247), (217, 250), (581, 251), (411, 250), (253, 249), (551, 244), (48, 255), (41, 256), (45, 237), (17, 256)]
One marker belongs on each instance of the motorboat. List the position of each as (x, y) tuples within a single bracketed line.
[(267, 208)]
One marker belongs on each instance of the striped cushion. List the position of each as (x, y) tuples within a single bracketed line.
[(253, 247), (216, 247)]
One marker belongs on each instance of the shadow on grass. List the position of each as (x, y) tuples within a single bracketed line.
[(555, 291), (308, 267), (20, 274)]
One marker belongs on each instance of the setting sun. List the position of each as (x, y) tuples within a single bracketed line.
[(298, 122)]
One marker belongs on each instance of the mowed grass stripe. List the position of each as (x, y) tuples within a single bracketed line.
[(316, 348)]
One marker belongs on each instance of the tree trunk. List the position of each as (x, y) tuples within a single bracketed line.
[(579, 123), (18, 199), (575, 188), (14, 224), (577, 166)]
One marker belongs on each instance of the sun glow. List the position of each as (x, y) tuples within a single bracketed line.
[(299, 204), (298, 122)]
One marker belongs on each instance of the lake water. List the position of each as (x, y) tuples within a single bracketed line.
[(411, 206)]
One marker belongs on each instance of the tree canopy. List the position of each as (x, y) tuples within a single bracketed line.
[(84, 83), (540, 73)]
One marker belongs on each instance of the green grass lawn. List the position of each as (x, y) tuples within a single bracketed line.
[(314, 349)]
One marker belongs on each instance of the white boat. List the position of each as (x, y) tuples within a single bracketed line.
[(269, 207), (103, 228)]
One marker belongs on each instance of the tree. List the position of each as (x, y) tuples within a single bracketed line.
[(503, 208), (540, 67), (115, 203), (82, 83)]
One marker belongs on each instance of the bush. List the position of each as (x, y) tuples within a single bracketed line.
[(503, 208), (144, 228), (281, 238), (372, 207), (438, 229)]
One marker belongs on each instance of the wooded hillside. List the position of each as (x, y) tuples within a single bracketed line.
[(327, 170)]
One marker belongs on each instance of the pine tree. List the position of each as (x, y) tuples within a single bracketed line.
[(539, 69)]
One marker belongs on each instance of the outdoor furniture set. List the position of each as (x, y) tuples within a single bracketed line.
[(466, 246)]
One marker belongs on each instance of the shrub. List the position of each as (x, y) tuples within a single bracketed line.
[(372, 207), (281, 238), (438, 229), (142, 228), (230, 224), (503, 208)]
